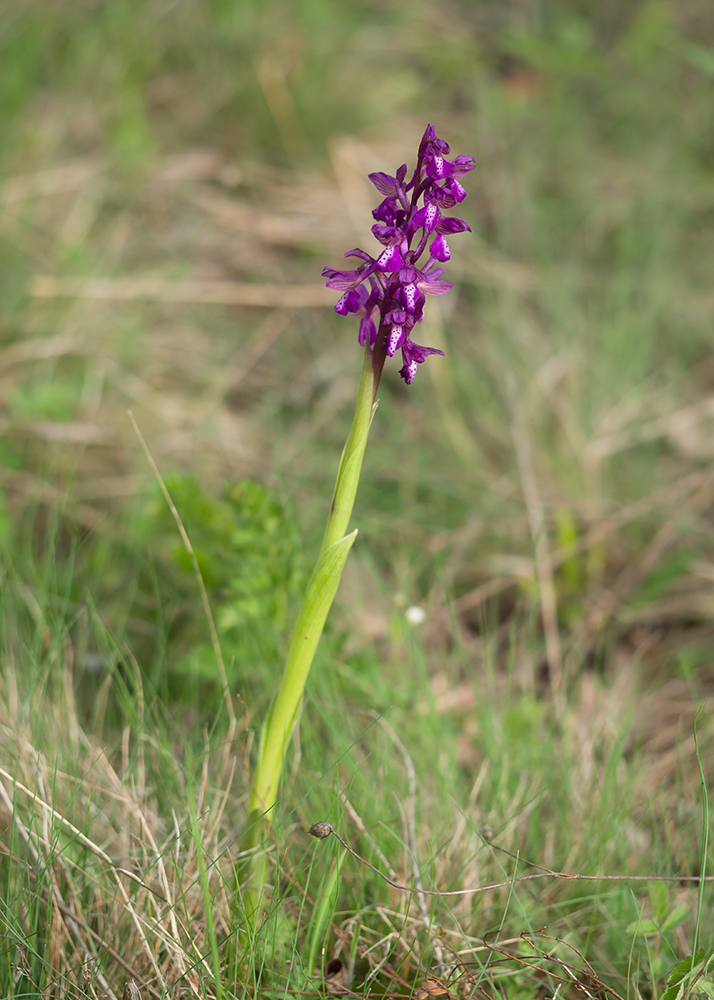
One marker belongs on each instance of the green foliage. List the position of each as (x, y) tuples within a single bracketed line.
[(130, 54), (699, 56), (660, 580), (691, 976), (565, 49), (248, 550), (324, 914), (55, 400), (663, 919), (653, 930)]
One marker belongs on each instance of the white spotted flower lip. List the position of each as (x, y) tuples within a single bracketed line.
[(387, 292)]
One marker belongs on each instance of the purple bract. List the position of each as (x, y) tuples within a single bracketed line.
[(390, 287)]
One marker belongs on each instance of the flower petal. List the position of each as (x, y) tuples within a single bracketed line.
[(427, 217), (455, 189), (431, 271), (447, 226), (349, 302), (387, 234), (462, 164), (426, 139), (385, 211), (411, 294), (408, 372), (362, 254), (395, 338), (439, 249), (383, 182), (415, 352), (342, 280), (438, 167), (367, 331), (390, 259), (435, 287)]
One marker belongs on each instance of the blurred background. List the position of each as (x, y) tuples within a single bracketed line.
[(174, 176), (525, 628)]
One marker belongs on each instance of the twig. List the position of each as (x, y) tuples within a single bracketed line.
[(564, 966), (570, 970), (323, 829), (366, 834), (178, 952), (102, 941)]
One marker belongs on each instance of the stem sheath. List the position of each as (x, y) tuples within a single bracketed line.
[(321, 590)]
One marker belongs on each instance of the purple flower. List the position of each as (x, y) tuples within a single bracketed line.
[(413, 355), (388, 291)]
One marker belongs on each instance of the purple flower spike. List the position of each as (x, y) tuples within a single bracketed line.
[(390, 284)]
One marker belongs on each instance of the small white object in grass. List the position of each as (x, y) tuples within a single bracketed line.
[(415, 615)]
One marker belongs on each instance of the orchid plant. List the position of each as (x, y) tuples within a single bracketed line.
[(387, 293)]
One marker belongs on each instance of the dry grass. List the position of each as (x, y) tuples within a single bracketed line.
[(114, 855), (124, 873)]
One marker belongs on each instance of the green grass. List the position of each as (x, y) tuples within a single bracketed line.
[(138, 138)]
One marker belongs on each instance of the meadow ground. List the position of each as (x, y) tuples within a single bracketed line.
[(173, 177)]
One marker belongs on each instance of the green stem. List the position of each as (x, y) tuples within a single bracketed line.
[(319, 595), (343, 498)]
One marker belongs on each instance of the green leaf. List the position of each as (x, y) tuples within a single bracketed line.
[(322, 588), (642, 927), (658, 583), (682, 968), (324, 912), (672, 992), (683, 972), (283, 712), (568, 535), (700, 57), (704, 985), (659, 900), (678, 915)]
